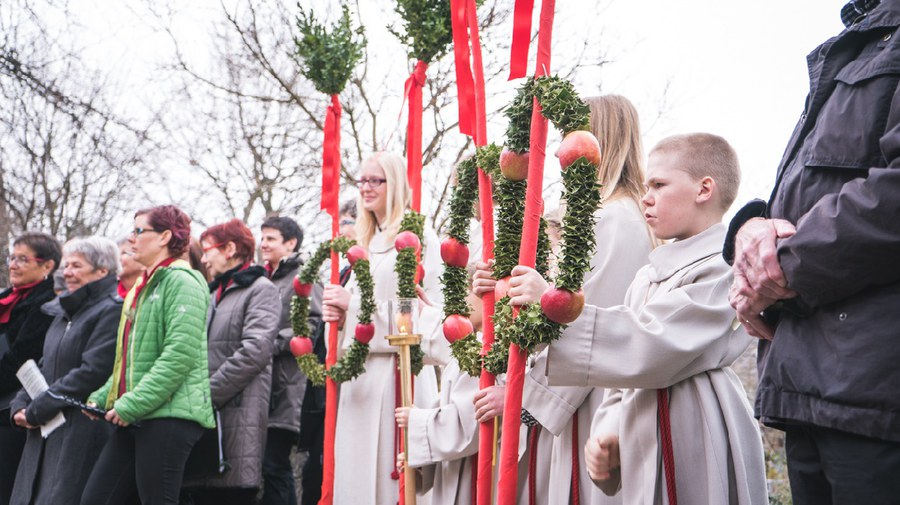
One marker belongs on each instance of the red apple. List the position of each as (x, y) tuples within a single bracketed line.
[(561, 305), (407, 239), (457, 327), (364, 333), (356, 253), (454, 252), (576, 145), (420, 273), (501, 288), (513, 165), (301, 346), (302, 289)]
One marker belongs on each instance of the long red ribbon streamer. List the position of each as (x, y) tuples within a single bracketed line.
[(515, 373), (331, 178), (331, 158), (465, 82), (470, 89), (413, 92), (521, 38)]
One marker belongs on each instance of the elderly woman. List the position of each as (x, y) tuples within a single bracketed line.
[(78, 357), (159, 376), (243, 322), (34, 258)]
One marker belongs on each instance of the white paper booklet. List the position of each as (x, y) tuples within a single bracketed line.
[(34, 383)]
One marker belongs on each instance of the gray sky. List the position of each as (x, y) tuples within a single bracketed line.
[(732, 68)]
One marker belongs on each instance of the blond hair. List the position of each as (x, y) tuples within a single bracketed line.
[(615, 123), (397, 199), (706, 155)]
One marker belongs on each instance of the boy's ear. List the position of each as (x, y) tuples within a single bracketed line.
[(706, 189)]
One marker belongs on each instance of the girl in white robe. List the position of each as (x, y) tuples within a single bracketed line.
[(366, 438)]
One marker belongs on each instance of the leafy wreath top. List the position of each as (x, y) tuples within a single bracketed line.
[(562, 106), (352, 363)]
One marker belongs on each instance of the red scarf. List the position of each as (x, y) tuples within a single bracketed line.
[(122, 291), (18, 294), (130, 320)]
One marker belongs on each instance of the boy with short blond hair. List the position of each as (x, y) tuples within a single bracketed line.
[(677, 426)]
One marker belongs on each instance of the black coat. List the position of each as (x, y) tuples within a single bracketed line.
[(24, 334), (834, 359), (78, 358)]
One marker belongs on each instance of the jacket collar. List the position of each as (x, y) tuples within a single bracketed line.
[(68, 304), (885, 15), (668, 259), (237, 277), (287, 265)]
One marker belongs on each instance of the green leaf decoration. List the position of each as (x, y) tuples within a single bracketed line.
[(562, 106), (488, 159), (426, 32), (314, 371), (467, 352), (510, 198), (462, 202), (328, 57), (351, 364), (405, 268), (456, 288)]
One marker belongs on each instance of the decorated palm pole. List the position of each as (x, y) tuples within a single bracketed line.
[(515, 375), (554, 99), (328, 59), (427, 34), (471, 91)]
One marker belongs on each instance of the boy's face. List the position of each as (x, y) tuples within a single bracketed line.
[(670, 201)]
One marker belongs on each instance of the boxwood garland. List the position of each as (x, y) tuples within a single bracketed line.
[(561, 105), (352, 363), (466, 350), (405, 267)]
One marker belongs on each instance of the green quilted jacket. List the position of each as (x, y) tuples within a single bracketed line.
[(167, 373)]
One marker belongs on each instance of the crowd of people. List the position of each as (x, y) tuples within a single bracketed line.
[(168, 356)]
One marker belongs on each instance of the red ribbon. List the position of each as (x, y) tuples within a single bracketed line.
[(515, 374), (465, 82), (521, 39), (331, 181), (331, 158), (413, 93)]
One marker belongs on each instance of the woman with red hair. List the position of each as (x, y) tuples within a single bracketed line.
[(160, 377), (243, 322)]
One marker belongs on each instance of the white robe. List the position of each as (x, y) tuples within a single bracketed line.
[(623, 246), (676, 330), (443, 439), (364, 438)]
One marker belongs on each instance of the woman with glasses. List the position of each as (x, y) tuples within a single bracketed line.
[(243, 322), (160, 376), (23, 326), (78, 357), (366, 435)]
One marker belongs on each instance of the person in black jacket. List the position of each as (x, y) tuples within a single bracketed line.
[(78, 357), (34, 258), (816, 274)]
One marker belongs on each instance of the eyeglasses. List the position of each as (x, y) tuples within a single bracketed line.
[(214, 246), (373, 183), (137, 231), (347, 222), (23, 260)]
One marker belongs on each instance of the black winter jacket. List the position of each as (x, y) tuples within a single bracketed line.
[(835, 358), (24, 334)]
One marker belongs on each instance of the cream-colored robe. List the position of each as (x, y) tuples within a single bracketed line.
[(676, 330), (443, 439), (623, 246), (364, 438)]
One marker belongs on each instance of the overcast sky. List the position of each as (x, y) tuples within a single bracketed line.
[(735, 68)]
